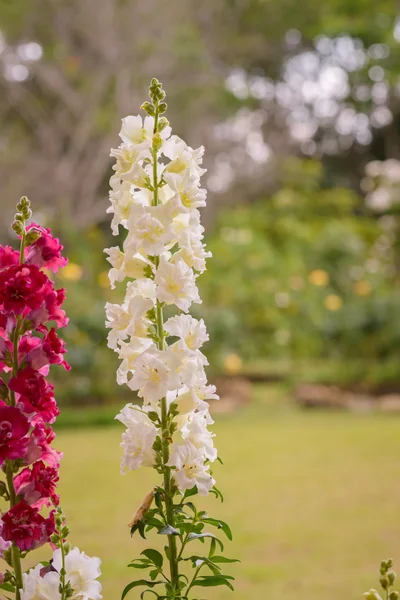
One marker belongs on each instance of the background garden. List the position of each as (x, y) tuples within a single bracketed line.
[(298, 106)]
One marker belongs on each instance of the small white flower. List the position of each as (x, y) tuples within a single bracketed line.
[(183, 158), (135, 131), (152, 378), (137, 440), (128, 352), (190, 469), (188, 194), (124, 266), (191, 331), (149, 229), (195, 430), (176, 284), (82, 572)]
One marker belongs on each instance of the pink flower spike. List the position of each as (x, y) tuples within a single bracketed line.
[(22, 287), (37, 486)]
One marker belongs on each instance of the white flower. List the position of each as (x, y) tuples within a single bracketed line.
[(152, 378), (36, 587), (128, 352), (82, 572), (176, 284), (135, 131), (183, 157), (149, 229), (137, 440), (195, 430), (191, 331), (124, 265), (127, 157), (190, 469), (188, 194), (126, 320), (121, 200)]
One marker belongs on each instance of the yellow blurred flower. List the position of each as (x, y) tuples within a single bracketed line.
[(362, 288), (232, 363), (319, 277), (102, 279), (72, 272), (333, 302)]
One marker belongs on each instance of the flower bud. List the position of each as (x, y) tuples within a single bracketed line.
[(67, 547), (162, 108), (391, 575), (383, 580), (157, 141), (54, 538), (148, 108), (31, 237), (372, 595), (18, 227), (394, 595), (162, 123)]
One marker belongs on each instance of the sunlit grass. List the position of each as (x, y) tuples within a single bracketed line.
[(313, 501)]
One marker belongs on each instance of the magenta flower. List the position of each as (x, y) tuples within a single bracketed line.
[(35, 395), (47, 352), (37, 486), (45, 251), (21, 288), (14, 427), (8, 257), (24, 526), (39, 446)]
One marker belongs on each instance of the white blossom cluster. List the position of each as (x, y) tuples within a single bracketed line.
[(155, 195), (82, 571)]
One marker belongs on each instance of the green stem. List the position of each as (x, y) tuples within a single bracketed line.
[(169, 500), (15, 553), (62, 576)]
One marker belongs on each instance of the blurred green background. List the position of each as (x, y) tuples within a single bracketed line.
[(298, 105)]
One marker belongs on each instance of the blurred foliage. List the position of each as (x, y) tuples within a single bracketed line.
[(307, 273)]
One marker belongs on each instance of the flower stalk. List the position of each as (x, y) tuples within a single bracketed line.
[(156, 195), (29, 305)]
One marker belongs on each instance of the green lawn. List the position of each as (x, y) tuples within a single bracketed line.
[(313, 500)]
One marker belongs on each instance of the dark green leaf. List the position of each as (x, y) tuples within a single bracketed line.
[(220, 525), (154, 556), (138, 583), (213, 580)]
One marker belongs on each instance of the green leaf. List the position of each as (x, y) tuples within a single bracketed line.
[(223, 559), (137, 583), (154, 556), (220, 525), (192, 492), (168, 530), (200, 536), (213, 580), (8, 587), (149, 592)]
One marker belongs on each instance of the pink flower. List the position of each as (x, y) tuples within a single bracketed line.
[(24, 526), (37, 486), (3, 544), (14, 427), (49, 352), (35, 394), (39, 446), (8, 257), (45, 251), (21, 287), (50, 310)]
